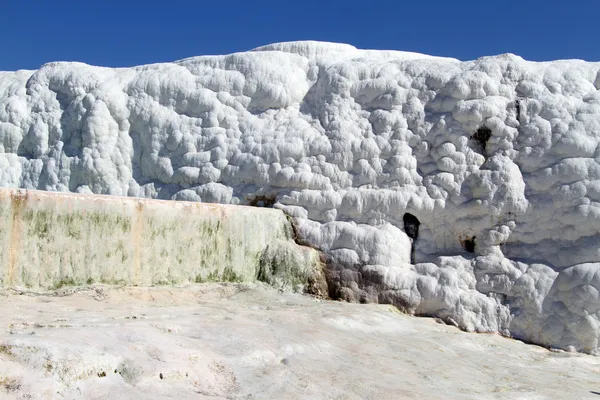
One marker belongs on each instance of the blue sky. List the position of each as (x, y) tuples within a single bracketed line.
[(125, 33)]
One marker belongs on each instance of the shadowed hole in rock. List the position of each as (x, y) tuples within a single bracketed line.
[(481, 137), (468, 244), (411, 228), (262, 201)]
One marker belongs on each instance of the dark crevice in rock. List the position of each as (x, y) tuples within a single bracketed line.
[(411, 228), (481, 137), (318, 284), (295, 236), (262, 201), (468, 244)]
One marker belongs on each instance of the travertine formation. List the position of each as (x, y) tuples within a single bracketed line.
[(51, 240), (496, 159)]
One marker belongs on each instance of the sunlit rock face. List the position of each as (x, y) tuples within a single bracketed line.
[(496, 159), (52, 240)]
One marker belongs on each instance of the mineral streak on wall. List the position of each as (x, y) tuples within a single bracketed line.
[(48, 240)]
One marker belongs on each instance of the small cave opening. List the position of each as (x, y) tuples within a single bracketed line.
[(481, 137), (411, 228), (262, 201), (468, 244), (518, 110)]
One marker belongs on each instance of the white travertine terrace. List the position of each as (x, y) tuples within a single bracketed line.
[(497, 158)]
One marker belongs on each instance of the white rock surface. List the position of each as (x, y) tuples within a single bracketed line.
[(241, 342), (348, 141)]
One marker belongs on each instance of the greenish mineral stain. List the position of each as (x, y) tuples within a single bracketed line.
[(65, 282), (231, 276), (215, 246), (228, 275), (40, 222)]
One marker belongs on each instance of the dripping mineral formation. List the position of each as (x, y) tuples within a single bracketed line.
[(469, 191)]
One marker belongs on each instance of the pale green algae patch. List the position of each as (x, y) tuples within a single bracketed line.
[(51, 240)]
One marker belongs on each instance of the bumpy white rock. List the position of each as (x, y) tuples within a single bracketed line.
[(497, 158)]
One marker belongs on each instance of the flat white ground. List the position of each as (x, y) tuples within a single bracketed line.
[(251, 342)]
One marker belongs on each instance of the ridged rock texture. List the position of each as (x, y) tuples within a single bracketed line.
[(496, 161)]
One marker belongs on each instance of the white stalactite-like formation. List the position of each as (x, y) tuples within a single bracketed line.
[(497, 158)]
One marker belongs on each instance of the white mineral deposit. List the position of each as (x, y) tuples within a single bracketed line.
[(466, 191)]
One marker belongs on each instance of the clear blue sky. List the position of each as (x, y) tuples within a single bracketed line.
[(125, 33)]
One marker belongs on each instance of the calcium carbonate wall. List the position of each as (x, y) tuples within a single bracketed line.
[(48, 240), (497, 158)]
